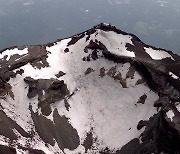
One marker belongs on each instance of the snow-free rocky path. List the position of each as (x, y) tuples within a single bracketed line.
[(102, 91)]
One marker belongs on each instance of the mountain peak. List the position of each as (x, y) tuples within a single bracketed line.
[(100, 91)]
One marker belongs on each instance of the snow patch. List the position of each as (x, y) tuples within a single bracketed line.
[(157, 54), (178, 107), (78, 150), (115, 43), (102, 104), (173, 75), (18, 108), (170, 114), (11, 52)]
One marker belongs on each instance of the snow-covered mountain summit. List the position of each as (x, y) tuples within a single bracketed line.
[(102, 91)]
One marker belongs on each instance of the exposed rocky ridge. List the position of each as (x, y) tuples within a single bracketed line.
[(51, 92)]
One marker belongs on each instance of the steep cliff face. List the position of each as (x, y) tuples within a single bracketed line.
[(101, 91)]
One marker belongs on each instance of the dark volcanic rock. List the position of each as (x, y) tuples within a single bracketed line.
[(60, 74), (7, 150), (75, 39), (7, 124), (133, 147), (159, 136), (44, 127), (142, 99), (64, 134), (102, 72), (67, 136), (88, 142), (88, 71), (54, 90)]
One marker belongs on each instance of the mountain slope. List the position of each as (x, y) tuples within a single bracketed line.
[(100, 91)]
